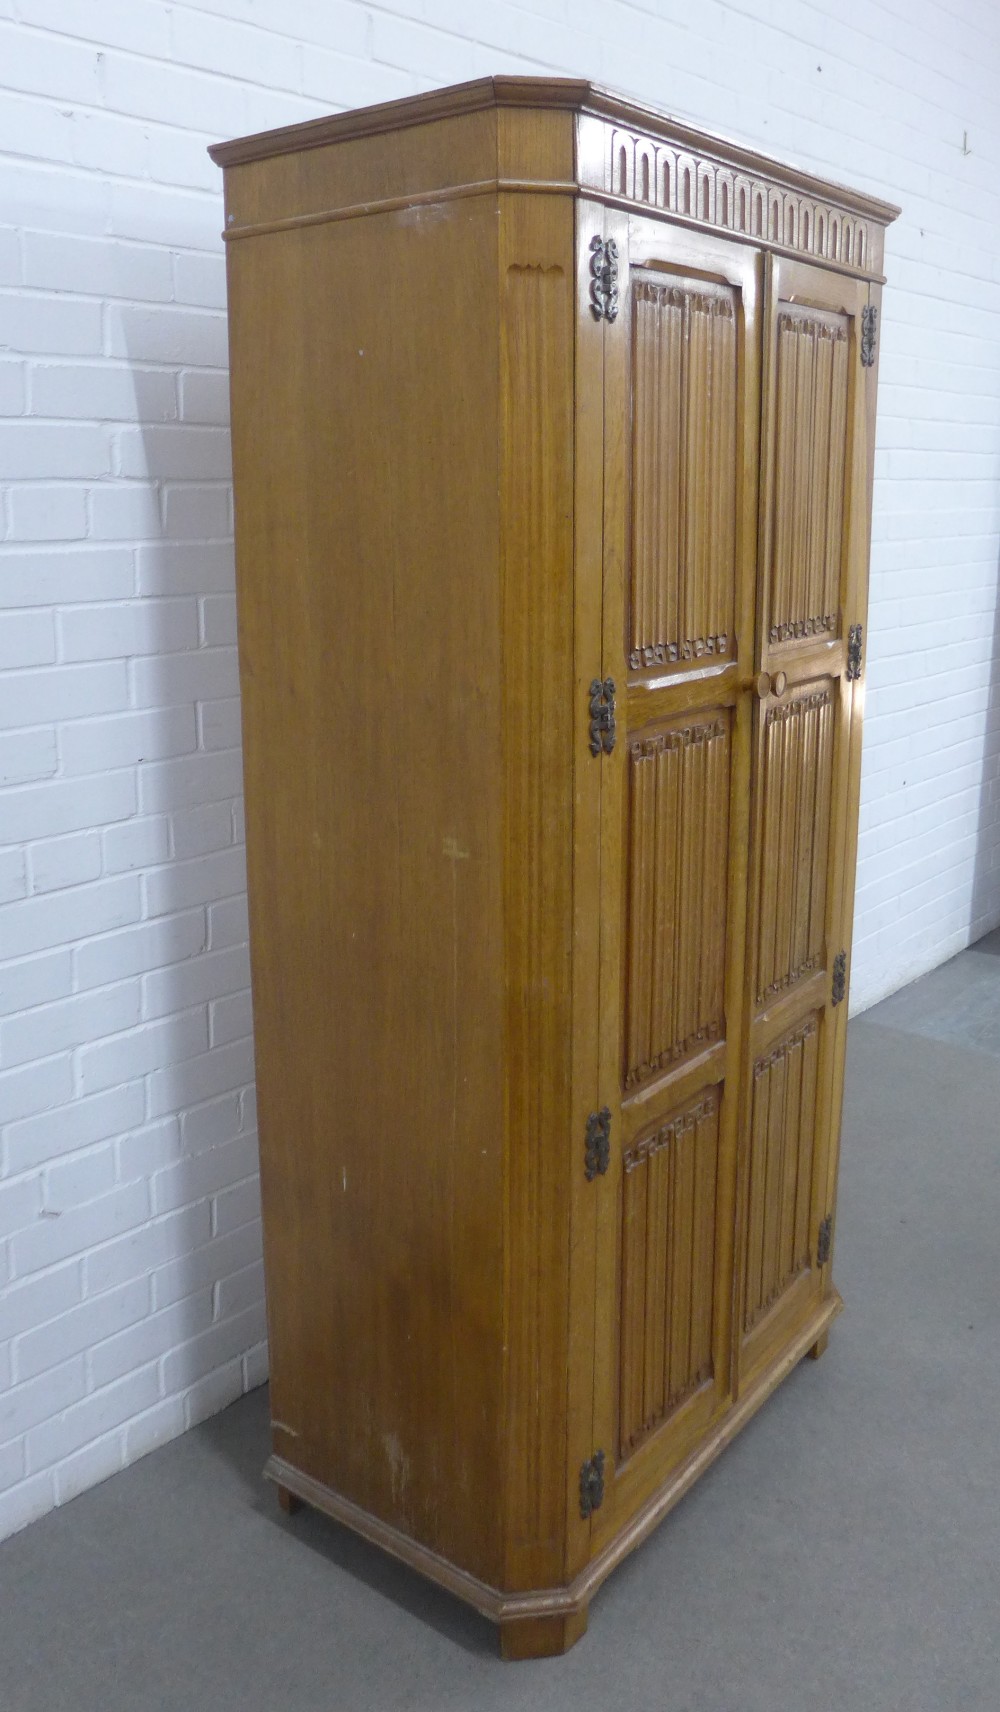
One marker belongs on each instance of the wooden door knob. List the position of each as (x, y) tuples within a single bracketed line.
[(764, 685)]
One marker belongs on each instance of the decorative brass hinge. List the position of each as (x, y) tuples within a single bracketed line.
[(597, 1155), (839, 978), (602, 716), (854, 644), (592, 1485), (869, 332), (823, 1240), (604, 278)]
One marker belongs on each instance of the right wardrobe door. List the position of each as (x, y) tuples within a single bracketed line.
[(811, 582)]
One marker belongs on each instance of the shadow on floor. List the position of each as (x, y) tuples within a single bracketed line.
[(240, 1437)]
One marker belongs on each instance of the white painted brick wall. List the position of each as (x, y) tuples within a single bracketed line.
[(129, 1221)]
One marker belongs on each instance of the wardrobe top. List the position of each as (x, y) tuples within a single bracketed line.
[(550, 94)]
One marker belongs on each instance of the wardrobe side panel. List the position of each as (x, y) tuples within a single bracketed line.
[(365, 411)]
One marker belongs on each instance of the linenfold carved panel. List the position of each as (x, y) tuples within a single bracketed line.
[(796, 780), (810, 459), (656, 174), (678, 788), (779, 1191), (668, 1266), (684, 484)]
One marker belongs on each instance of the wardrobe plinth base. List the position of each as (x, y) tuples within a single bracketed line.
[(541, 1637), (544, 1622)]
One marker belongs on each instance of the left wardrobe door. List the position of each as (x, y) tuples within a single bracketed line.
[(681, 424)]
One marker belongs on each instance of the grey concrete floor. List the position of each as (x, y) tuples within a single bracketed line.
[(843, 1553)]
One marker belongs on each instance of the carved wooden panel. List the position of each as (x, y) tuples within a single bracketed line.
[(796, 782), (699, 187), (668, 1266), (683, 472), (810, 459), (678, 784), (782, 1135)]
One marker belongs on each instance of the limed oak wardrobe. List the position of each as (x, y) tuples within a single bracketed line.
[(553, 429)]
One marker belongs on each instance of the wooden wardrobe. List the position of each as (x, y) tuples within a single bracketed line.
[(553, 428)]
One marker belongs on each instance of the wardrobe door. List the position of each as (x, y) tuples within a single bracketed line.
[(812, 573), (681, 403)]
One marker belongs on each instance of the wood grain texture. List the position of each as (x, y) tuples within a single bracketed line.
[(795, 788), (679, 787), (541, 1637), (804, 822), (540, 718), (570, 1600), (674, 887), (588, 477), (449, 153), (461, 496), (810, 456), (668, 1248), (782, 1140), (592, 106), (857, 607), (368, 593), (684, 480), (692, 179)]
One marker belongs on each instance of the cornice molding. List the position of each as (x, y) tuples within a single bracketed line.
[(648, 125)]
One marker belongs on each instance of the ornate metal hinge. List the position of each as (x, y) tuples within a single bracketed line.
[(604, 278), (597, 1156), (839, 978), (602, 716), (823, 1240), (592, 1485), (869, 332), (854, 641)]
